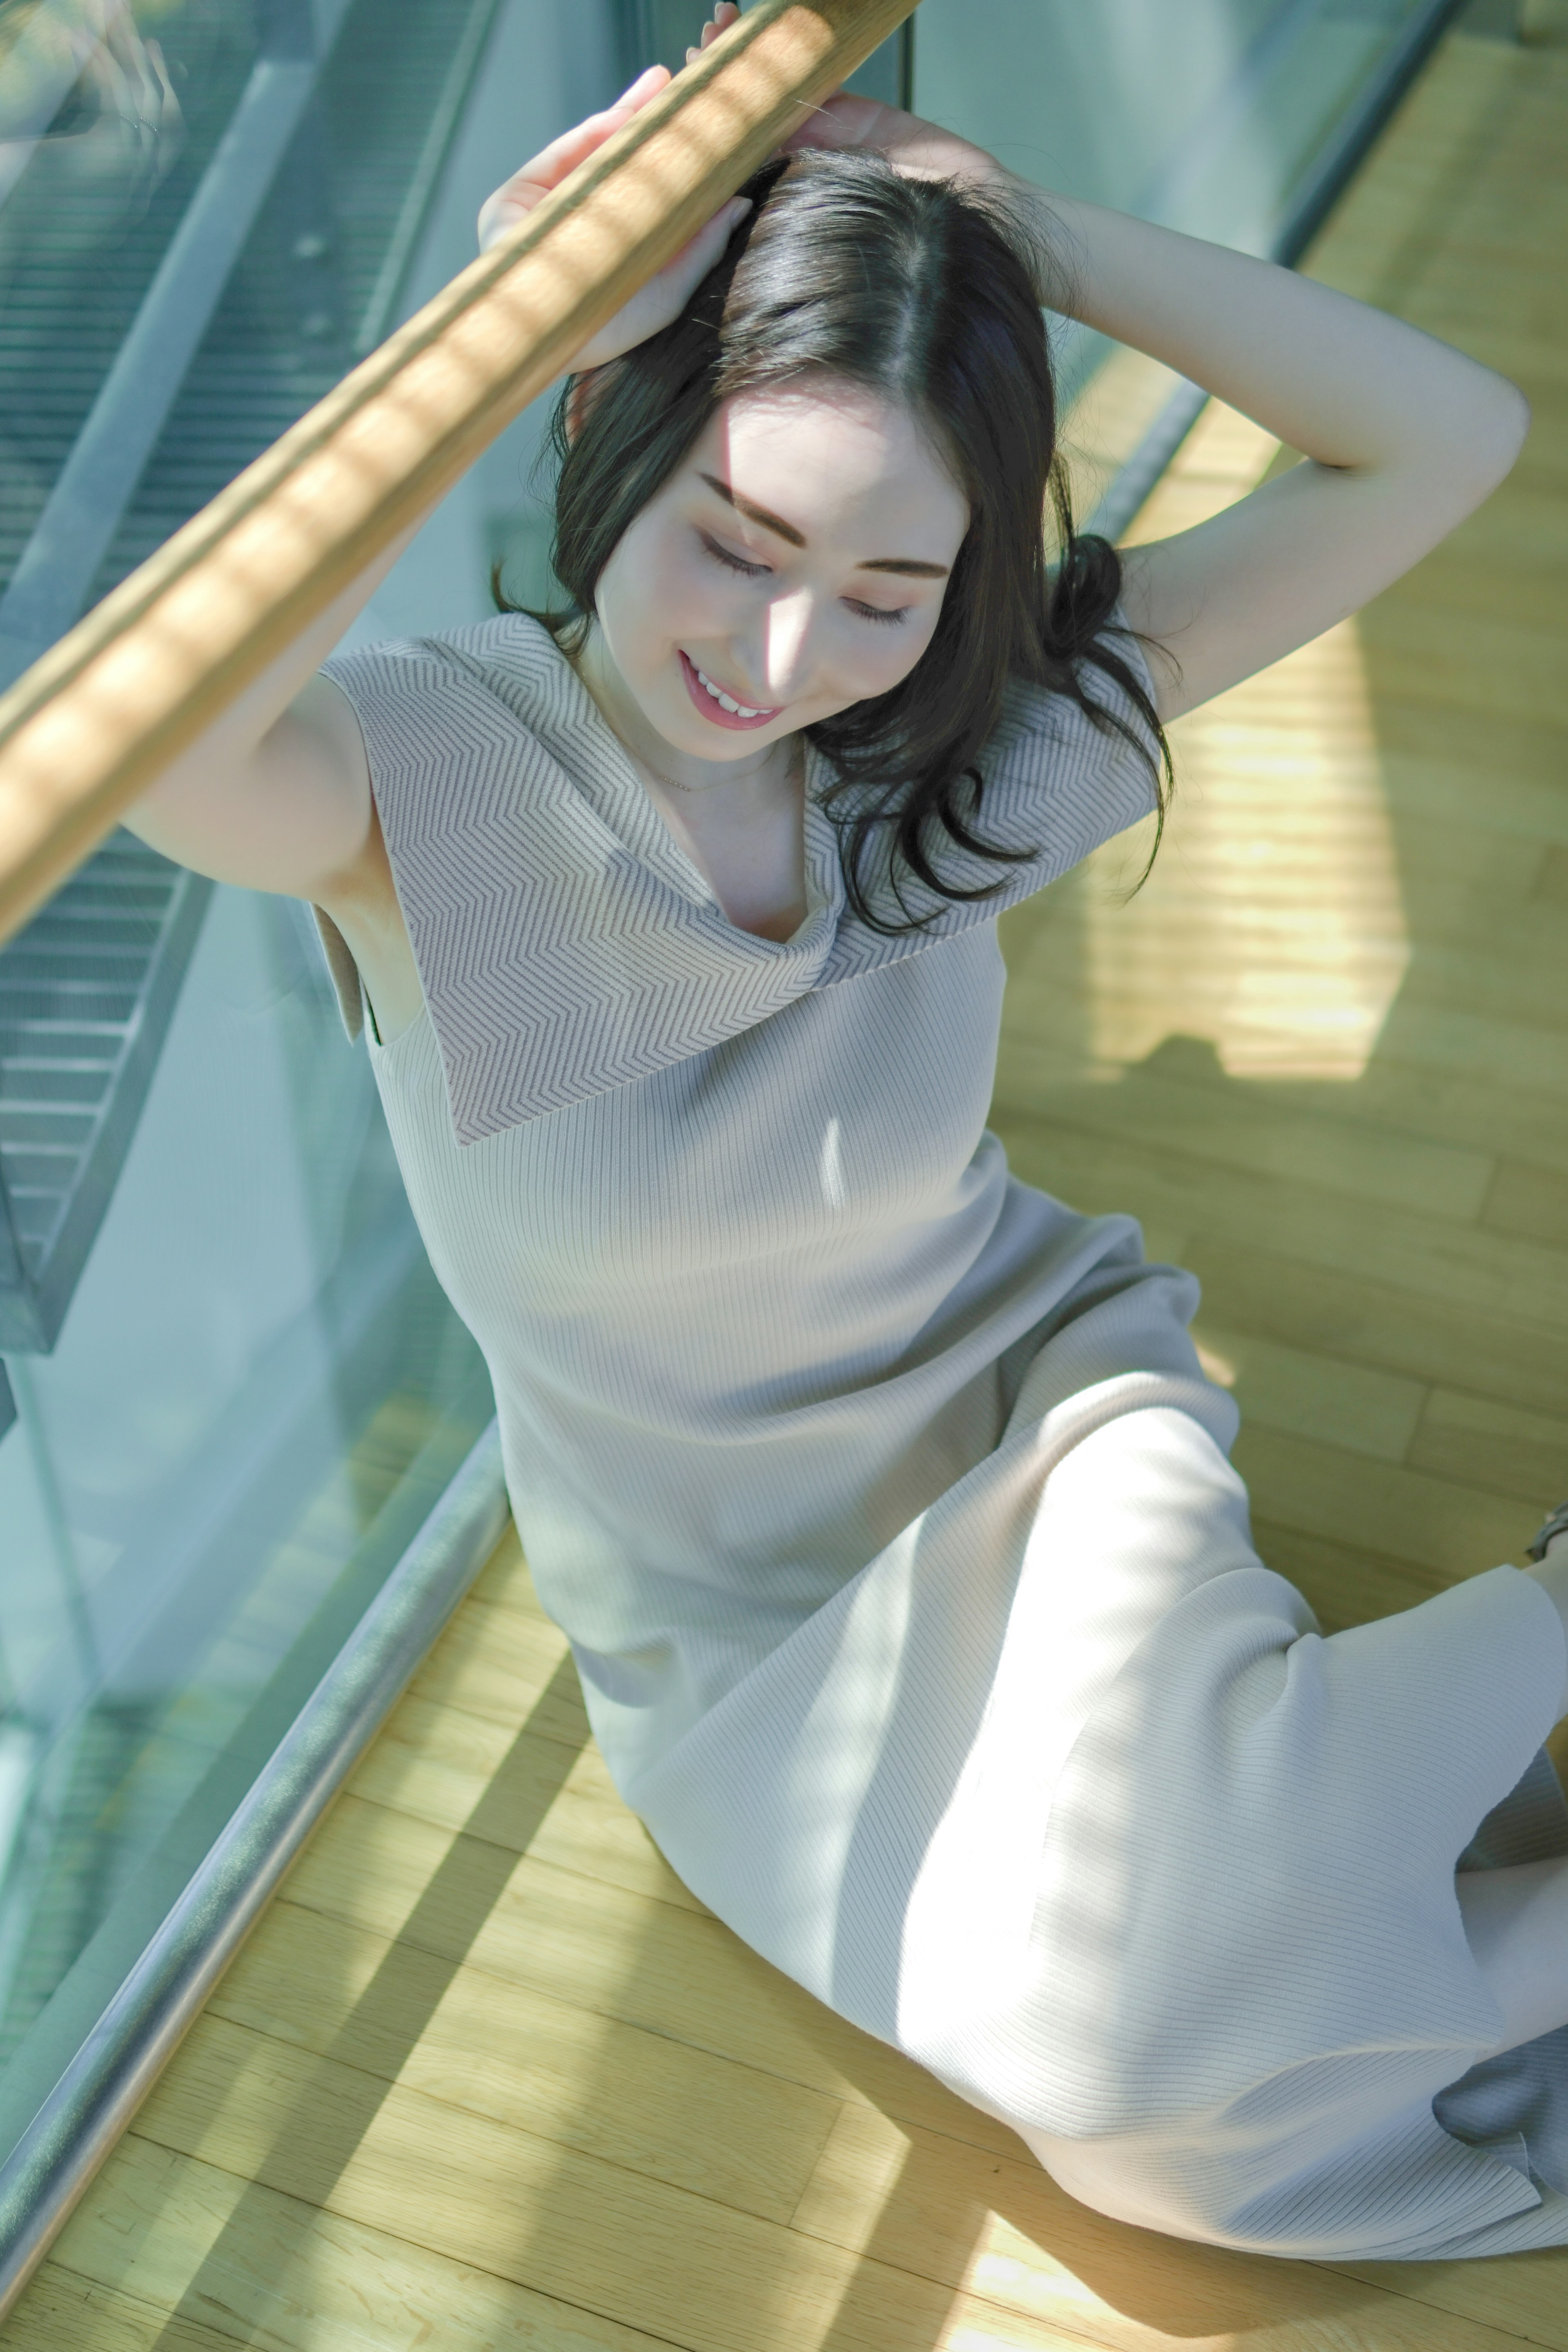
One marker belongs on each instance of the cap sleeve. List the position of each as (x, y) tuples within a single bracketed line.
[(1057, 779), (1086, 774)]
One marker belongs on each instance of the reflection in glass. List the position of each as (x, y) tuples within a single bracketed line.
[(257, 1393), (232, 1388)]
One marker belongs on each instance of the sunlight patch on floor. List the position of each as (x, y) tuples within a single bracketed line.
[(1273, 924)]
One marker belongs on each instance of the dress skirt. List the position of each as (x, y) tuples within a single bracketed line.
[(1067, 1797)]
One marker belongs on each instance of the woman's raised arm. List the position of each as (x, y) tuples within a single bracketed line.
[(1402, 436), (277, 794)]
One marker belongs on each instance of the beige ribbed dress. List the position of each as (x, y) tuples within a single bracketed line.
[(889, 1516)]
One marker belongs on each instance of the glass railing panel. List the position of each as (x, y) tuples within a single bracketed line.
[(1215, 118), (1205, 117), (255, 1396), (231, 1390)]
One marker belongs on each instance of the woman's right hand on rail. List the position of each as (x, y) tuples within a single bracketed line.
[(653, 305), (277, 794)]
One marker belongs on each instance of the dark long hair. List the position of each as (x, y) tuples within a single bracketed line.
[(927, 292)]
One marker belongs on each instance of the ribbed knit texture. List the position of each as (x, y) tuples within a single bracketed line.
[(888, 1512)]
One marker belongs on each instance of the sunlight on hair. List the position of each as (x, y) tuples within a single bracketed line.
[(1273, 923)]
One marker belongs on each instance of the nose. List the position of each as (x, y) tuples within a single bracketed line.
[(787, 647)]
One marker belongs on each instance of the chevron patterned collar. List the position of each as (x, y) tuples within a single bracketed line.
[(565, 943)]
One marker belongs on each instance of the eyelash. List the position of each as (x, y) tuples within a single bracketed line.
[(734, 562), (761, 571)]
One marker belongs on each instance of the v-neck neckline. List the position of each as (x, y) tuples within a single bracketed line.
[(606, 773)]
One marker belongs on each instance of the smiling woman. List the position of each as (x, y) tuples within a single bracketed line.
[(883, 1498), (712, 623), (819, 491)]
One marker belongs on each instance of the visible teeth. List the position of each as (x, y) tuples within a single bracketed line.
[(720, 696)]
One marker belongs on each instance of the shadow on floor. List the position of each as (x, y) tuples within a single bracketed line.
[(322, 2134)]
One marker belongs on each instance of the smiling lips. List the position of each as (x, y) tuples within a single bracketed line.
[(715, 704)]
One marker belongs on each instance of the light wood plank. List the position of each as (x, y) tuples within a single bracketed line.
[(1529, 1201), (1001, 2228), (231, 2256), (65, 2309), (534, 1795), (1522, 1454), (1317, 1396), (614, 1953), (1347, 1584), (508, 1666), (1436, 1523), (1527, 2294), (701, 2274), (1254, 1137), (506, 1581), (1489, 1328), (542, 2064), (1357, 1321)]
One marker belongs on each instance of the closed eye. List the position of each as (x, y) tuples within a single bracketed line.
[(876, 612), (731, 562)]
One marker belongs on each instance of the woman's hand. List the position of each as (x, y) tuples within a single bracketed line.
[(653, 305), (923, 150)]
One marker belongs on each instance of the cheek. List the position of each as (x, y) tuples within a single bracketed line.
[(659, 587), (884, 655)]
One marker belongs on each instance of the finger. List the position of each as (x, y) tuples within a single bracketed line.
[(649, 83), (719, 22), (698, 253), (841, 121), (551, 164)]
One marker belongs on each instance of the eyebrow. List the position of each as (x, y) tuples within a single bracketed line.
[(909, 564)]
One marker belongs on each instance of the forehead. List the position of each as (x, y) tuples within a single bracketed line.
[(837, 460)]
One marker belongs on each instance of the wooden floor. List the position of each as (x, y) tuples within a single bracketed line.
[(487, 2076)]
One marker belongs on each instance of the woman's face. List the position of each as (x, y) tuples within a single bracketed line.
[(794, 563)]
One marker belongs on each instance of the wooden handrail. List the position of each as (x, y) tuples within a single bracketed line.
[(152, 665)]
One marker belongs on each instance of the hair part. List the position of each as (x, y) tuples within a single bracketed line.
[(929, 293)]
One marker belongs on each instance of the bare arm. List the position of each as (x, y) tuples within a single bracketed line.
[(1402, 435), (277, 794)]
